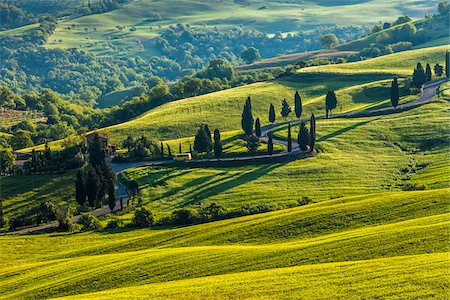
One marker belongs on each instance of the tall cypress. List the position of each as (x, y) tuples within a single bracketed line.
[(303, 137), (298, 105), (202, 141), (257, 127), (80, 189), (428, 73), (247, 117), (289, 141), (270, 144), (169, 151), (395, 95), (92, 186), (285, 109), (162, 149), (180, 148), (447, 64), (330, 102), (312, 133), (271, 113), (218, 149), (419, 76), (111, 197)]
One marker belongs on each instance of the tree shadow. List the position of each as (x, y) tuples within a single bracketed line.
[(343, 130)]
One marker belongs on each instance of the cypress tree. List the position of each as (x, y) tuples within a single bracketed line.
[(217, 144), (419, 76), (80, 189), (257, 127), (180, 150), (298, 105), (330, 102), (447, 64), (285, 109), (169, 152), (271, 113), (312, 133), (438, 70), (247, 117), (289, 142), (395, 95), (96, 151), (162, 149), (428, 73), (202, 141), (111, 197), (93, 186), (208, 136), (303, 137), (270, 144)]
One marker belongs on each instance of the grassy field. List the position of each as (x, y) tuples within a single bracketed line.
[(285, 16)]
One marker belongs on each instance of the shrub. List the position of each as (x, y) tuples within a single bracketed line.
[(413, 187), (115, 223), (143, 218), (66, 224), (89, 222), (184, 217), (304, 201)]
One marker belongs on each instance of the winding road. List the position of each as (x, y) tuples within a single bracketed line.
[(428, 93)]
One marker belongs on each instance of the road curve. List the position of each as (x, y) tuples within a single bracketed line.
[(428, 93)]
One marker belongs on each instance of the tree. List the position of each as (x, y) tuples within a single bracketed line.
[(257, 128), (111, 197), (443, 8), (285, 109), (270, 144), (7, 160), (143, 218), (419, 76), (250, 55), (80, 189), (169, 151), (128, 143), (329, 40), (218, 68), (202, 141), (271, 113), (330, 102), (161, 149), (438, 70), (252, 143), (298, 105), (447, 64), (217, 144), (247, 117), (21, 139), (428, 73), (289, 139), (395, 94), (180, 148), (96, 151), (93, 186), (312, 133), (303, 137)]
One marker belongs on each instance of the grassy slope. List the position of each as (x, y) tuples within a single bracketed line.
[(359, 156), (282, 16), (370, 227)]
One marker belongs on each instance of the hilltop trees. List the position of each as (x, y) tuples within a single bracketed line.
[(250, 55), (271, 113), (218, 149), (303, 137), (202, 141), (247, 117), (257, 128), (312, 133), (428, 73), (395, 95), (329, 40), (298, 105), (419, 76), (289, 139), (285, 109), (330, 102)]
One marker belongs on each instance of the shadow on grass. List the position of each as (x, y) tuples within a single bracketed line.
[(343, 130)]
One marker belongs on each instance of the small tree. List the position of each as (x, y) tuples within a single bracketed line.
[(257, 128), (161, 149), (428, 73), (395, 95), (80, 189), (250, 55), (329, 40), (289, 141), (7, 160), (252, 143), (271, 113), (111, 197), (217, 144), (270, 144), (312, 133), (419, 76), (169, 151), (285, 109), (202, 141), (247, 117), (330, 102), (303, 137), (438, 70), (298, 105), (180, 148), (93, 186), (143, 218)]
